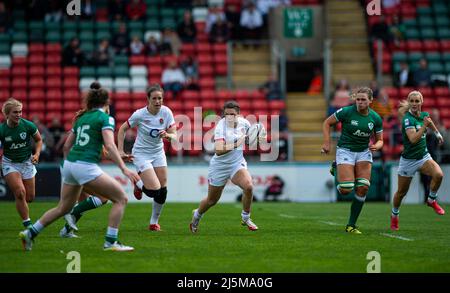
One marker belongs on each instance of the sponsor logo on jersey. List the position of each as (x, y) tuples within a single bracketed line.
[(8, 138), (154, 133), (355, 122), (361, 133), (16, 146), (370, 125), (23, 135)]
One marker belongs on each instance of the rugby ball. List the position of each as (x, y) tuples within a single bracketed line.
[(252, 134)]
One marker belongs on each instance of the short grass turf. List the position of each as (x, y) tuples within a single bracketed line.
[(292, 237)]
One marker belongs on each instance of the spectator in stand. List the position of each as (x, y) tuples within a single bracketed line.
[(380, 30), (72, 54), (220, 32), (173, 78), (88, 10), (382, 105), (190, 70), (121, 40), (136, 10), (116, 9), (374, 87), (136, 47), (233, 17), (283, 120), (391, 4), (171, 43), (104, 55), (214, 13), (58, 132), (315, 87), (264, 7), (405, 77), (272, 89), (251, 22), (422, 76), (47, 140), (340, 97), (152, 46), (4, 18), (186, 29), (54, 13), (397, 30)]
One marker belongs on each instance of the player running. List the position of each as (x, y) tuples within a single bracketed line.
[(415, 156), (354, 151)]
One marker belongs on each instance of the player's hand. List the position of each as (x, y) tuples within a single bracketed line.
[(427, 121), (325, 148), (164, 134), (127, 157), (133, 176), (35, 159), (373, 148)]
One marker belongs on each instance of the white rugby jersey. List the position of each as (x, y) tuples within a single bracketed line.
[(148, 141), (231, 135)]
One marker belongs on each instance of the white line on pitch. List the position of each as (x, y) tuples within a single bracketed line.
[(287, 216), (329, 223), (397, 237)]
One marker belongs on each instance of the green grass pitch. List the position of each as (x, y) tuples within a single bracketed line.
[(293, 237)]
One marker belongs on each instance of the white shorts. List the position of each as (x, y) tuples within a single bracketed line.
[(219, 173), (345, 156), (143, 163), (26, 169), (409, 167), (79, 173)]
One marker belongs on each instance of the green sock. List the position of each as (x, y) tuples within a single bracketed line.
[(86, 205), (355, 210)]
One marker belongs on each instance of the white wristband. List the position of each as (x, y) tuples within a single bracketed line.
[(438, 135)]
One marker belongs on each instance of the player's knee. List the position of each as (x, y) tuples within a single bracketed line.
[(20, 194), (248, 188), (211, 202), (345, 187), (438, 176), (362, 186), (151, 192), (162, 195)]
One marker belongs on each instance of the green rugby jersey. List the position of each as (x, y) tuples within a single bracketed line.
[(88, 136), (418, 150), (357, 128), (16, 141)]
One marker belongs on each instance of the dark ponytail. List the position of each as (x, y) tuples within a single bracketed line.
[(96, 97)]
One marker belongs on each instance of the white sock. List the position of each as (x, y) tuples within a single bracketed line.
[(140, 184), (112, 232), (97, 202), (197, 215), (245, 216), (38, 227), (156, 211), (395, 212)]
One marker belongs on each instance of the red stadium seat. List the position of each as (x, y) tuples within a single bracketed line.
[(224, 95), (426, 92), (207, 95), (190, 95), (442, 91), (71, 71), (137, 60), (50, 115), (207, 83), (54, 82), (404, 91), (36, 71), (205, 60), (123, 106), (187, 49), (221, 69), (37, 95), (19, 83), (220, 49), (431, 45), (53, 59), (54, 71), (445, 45), (19, 94), (5, 72), (203, 48), (155, 70), (245, 105), (277, 105), (54, 106), (5, 84), (71, 82), (53, 48), (190, 105), (261, 105), (54, 94), (36, 106), (392, 92), (72, 95), (19, 61), (71, 106), (414, 45), (154, 61), (19, 72), (122, 96), (36, 48)]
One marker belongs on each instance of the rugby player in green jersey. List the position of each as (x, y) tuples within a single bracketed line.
[(354, 149), (92, 129), (415, 156), (17, 160)]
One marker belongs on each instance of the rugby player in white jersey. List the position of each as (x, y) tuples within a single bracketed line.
[(154, 123)]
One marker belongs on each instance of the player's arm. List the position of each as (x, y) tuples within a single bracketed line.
[(437, 133), (108, 142), (169, 134), (415, 136), (379, 142), (222, 148), (120, 138), (38, 141), (68, 144), (326, 126)]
